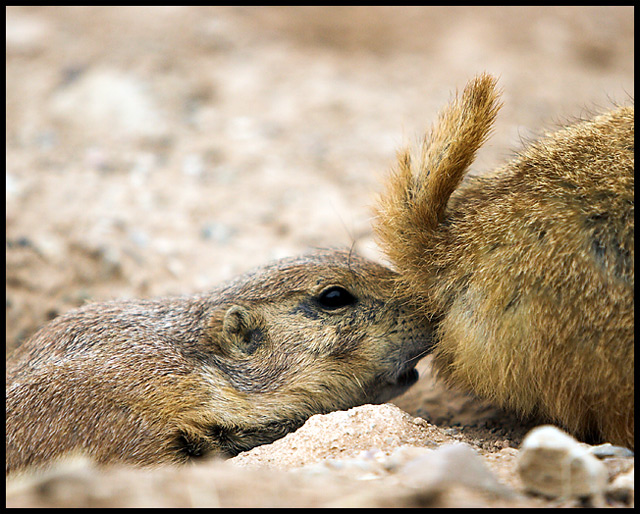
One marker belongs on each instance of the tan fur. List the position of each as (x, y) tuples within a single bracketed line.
[(527, 272), (153, 381)]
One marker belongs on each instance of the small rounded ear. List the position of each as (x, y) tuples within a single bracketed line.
[(236, 321), (241, 330)]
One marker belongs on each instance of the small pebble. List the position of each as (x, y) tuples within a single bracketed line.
[(555, 465), (452, 464), (604, 451)]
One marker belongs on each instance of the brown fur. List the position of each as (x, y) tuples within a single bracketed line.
[(526, 273), (164, 380)]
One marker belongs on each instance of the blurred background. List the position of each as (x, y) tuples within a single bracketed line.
[(161, 150)]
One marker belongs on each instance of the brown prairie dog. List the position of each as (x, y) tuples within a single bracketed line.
[(526, 273), (167, 380)]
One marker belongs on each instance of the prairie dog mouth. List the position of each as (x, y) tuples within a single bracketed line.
[(408, 377), (397, 386)]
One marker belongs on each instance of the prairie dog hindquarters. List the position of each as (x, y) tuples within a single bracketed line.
[(527, 273)]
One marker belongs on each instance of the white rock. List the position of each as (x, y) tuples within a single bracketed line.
[(554, 464)]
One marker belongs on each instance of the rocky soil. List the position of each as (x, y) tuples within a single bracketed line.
[(156, 151)]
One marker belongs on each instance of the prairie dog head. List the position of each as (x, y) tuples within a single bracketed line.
[(314, 334)]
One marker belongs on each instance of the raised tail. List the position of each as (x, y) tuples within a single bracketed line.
[(415, 200)]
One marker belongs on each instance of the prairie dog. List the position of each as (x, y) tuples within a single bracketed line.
[(166, 380), (527, 272)]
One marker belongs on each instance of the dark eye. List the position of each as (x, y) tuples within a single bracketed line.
[(335, 297)]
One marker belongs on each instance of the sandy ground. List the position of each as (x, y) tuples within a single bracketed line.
[(155, 151)]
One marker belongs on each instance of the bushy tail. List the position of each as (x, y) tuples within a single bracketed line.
[(416, 196)]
